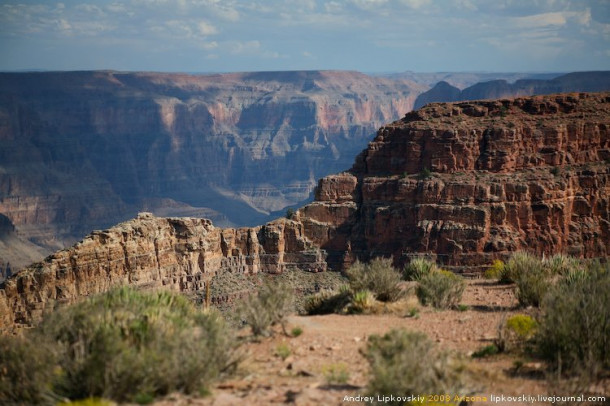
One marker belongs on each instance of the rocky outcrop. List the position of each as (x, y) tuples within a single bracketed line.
[(180, 254), (473, 181), (86, 150), (464, 182)]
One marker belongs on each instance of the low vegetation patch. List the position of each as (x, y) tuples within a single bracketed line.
[(440, 289), (405, 363), (124, 345), (379, 277), (269, 307), (574, 329), (418, 268), (336, 374), (495, 271)]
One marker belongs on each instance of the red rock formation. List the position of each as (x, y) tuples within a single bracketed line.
[(523, 174), (527, 173)]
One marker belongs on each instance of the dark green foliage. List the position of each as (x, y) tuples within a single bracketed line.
[(486, 351), (379, 277), (405, 363), (127, 345), (270, 306), (574, 330)]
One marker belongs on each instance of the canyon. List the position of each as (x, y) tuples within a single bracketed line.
[(464, 183), (81, 151)]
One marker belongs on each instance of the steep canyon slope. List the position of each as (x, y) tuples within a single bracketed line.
[(462, 182), (84, 150)]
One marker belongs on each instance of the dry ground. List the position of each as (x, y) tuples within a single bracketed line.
[(334, 340)]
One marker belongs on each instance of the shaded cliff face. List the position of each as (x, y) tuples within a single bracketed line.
[(522, 174), (85, 150)]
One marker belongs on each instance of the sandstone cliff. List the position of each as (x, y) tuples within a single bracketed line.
[(463, 182), (181, 254), (472, 181)]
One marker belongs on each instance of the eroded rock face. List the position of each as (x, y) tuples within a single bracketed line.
[(180, 254), (86, 150), (473, 181), (463, 182)]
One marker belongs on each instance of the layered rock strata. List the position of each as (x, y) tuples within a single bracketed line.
[(464, 183), (180, 254), (473, 181)]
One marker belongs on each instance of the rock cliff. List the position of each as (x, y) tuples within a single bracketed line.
[(463, 182), (472, 181), (86, 150)]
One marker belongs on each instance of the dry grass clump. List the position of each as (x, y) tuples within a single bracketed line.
[(378, 277), (128, 346), (269, 307), (440, 289), (404, 363)]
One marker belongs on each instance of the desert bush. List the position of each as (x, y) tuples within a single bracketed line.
[(486, 351), (89, 402), (26, 369), (522, 325), (441, 289), (405, 363), (328, 301), (417, 268), (378, 277), (495, 271), (574, 329), (126, 345), (269, 307), (519, 263), (560, 264)]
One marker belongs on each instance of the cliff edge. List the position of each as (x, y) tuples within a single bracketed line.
[(463, 182)]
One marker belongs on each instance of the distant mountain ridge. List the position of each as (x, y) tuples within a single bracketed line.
[(572, 82)]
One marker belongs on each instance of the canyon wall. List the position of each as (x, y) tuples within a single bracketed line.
[(470, 182), (464, 183), (85, 150)]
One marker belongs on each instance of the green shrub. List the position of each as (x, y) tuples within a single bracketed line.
[(126, 344), (425, 174), (269, 307), (290, 213), (405, 363), (519, 263), (574, 330), (486, 351), (296, 331), (328, 301), (495, 271), (441, 289), (417, 268), (26, 368), (336, 374), (377, 276)]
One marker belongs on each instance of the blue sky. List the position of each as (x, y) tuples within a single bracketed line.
[(255, 35)]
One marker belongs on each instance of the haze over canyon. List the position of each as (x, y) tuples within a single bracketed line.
[(85, 150)]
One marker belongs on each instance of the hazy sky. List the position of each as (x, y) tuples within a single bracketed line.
[(253, 35)]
